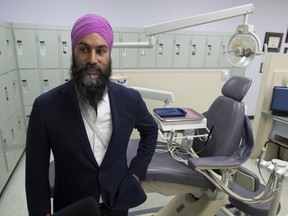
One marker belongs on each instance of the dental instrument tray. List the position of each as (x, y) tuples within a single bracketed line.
[(169, 112), (177, 114)]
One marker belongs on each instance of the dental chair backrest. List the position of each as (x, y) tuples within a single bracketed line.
[(227, 117)]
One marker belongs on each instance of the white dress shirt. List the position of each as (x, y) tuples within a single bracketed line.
[(102, 122)]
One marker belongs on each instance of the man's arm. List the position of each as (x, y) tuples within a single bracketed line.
[(148, 130), (37, 165)]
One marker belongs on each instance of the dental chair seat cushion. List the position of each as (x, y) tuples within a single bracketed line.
[(164, 168)]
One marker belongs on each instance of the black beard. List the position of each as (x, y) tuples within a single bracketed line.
[(90, 87)]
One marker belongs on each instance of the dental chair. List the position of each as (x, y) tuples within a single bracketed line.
[(206, 173)]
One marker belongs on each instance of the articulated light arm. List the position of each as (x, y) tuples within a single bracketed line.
[(153, 30), (198, 20)]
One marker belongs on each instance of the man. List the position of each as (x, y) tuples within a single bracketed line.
[(87, 123)]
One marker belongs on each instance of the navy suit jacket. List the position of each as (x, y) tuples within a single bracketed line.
[(56, 124)]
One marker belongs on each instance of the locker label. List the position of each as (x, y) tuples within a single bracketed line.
[(194, 50), (19, 47), (42, 48), (64, 48), (46, 85), (209, 50), (160, 49), (25, 86), (177, 50)]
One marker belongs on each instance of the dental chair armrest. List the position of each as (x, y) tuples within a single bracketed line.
[(216, 162)]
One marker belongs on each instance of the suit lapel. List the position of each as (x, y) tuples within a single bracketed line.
[(117, 107), (69, 107)]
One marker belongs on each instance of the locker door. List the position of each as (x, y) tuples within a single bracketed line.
[(3, 166), (115, 53), (15, 85), (30, 85), (4, 65), (66, 74), (18, 134), (50, 79), (65, 48), (3, 114), (10, 46), (129, 55), (213, 52), (9, 145), (48, 48), (197, 51), (147, 56), (224, 55), (181, 51), (9, 98), (27, 111), (26, 48), (164, 51)]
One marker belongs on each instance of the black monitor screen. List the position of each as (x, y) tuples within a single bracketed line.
[(279, 103)]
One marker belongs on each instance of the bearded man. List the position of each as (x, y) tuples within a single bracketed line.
[(87, 123)]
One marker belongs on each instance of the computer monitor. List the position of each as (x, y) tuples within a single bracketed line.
[(279, 102)]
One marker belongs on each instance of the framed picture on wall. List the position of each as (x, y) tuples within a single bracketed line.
[(273, 41)]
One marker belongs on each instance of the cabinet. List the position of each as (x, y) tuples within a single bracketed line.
[(278, 133), (12, 121)]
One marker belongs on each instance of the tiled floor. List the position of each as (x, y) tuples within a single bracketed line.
[(13, 201)]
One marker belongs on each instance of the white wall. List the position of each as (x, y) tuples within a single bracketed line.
[(269, 16)]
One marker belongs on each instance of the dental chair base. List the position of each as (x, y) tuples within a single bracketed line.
[(188, 205)]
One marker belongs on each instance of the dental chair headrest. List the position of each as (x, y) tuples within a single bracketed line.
[(236, 87)]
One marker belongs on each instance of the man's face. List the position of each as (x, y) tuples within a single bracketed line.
[(92, 50), (91, 66)]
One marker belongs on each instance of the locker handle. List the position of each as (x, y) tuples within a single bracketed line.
[(13, 136), (5, 147), (6, 94)]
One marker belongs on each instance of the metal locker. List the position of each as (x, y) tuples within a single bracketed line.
[(4, 66), (181, 51), (18, 133), (16, 89), (3, 166), (164, 51), (30, 85), (26, 48), (115, 53), (213, 52), (3, 114), (129, 57), (65, 48), (224, 54), (48, 48), (50, 79), (27, 111), (197, 51), (10, 47), (147, 56), (8, 86), (7, 134), (66, 75)]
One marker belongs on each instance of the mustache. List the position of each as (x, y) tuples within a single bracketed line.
[(91, 67)]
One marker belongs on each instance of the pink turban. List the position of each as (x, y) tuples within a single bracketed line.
[(92, 23)]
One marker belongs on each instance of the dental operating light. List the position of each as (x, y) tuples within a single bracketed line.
[(242, 47)]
